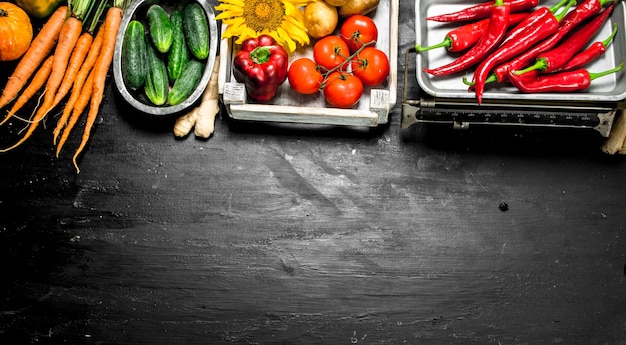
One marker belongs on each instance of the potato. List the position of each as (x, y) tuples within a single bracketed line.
[(337, 2), (320, 19), (357, 7)]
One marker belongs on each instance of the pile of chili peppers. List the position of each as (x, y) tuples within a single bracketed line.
[(535, 49)]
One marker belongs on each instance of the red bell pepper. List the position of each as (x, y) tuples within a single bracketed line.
[(261, 65)]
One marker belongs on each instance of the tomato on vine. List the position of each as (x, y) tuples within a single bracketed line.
[(304, 76), (343, 90), (358, 30), (330, 52), (371, 65)]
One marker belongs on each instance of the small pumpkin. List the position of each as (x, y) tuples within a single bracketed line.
[(39, 8), (16, 31)]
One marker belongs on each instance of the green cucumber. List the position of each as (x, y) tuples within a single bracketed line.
[(134, 64), (186, 83), (178, 55), (157, 84), (160, 27), (196, 28)]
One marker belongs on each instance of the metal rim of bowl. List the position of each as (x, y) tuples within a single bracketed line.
[(196, 94)]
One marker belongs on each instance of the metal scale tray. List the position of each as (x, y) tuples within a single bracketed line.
[(447, 100)]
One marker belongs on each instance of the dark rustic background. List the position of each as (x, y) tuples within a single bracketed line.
[(287, 234)]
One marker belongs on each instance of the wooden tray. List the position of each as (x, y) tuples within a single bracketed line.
[(372, 110)]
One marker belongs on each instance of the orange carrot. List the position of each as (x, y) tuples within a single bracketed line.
[(67, 39), (79, 81), (81, 49), (111, 24), (76, 59), (39, 49), (79, 106), (38, 81)]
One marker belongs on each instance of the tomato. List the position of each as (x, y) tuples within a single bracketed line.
[(304, 76), (343, 90), (330, 51), (358, 30), (371, 65)]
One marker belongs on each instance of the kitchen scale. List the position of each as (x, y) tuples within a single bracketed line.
[(446, 100), (461, 113)]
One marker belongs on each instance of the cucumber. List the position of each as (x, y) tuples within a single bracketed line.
[(178, 55), (134, 64), (187, 82), (160, 27), (157, 84), (196, 29)]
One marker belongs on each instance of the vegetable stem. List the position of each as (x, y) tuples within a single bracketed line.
[(559, 16), (596, 75), (609, 39), (447, 42)]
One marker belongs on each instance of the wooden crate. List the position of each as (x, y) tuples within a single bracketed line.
[(288, 106)]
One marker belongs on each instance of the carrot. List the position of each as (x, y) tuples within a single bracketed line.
[(39, 49), (79, 106), (79, 54), (70, 31), (67, 39), (111, 24), (76, 59), (79, 81), (38, 81)]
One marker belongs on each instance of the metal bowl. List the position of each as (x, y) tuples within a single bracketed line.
[(137, 98)]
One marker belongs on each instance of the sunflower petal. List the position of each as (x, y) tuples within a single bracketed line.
[(285, 39), (288, 31)]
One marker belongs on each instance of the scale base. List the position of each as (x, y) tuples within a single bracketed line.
[(462, 116)]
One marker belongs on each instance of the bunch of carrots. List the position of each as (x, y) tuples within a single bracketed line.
[(69, 58)]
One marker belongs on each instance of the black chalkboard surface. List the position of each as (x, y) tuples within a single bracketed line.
[(290, 234)]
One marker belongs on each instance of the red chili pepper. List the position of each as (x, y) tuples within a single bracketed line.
[(498, 25), (262, 66), (575, 17), (594, 51), (551, 60), (465, 36), (482, 11), (539, 25), (568, 81), (519, 30), (579, 60)]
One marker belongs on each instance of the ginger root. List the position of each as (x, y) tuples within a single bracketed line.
[(616, 142), (622, 150), (202, 117), (185, 123)]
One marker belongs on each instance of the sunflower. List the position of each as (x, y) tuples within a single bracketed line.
[(281, 19)]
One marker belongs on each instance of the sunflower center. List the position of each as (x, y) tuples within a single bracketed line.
[(264, 14)]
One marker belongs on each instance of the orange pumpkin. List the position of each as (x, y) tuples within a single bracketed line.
[(16, 31)]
